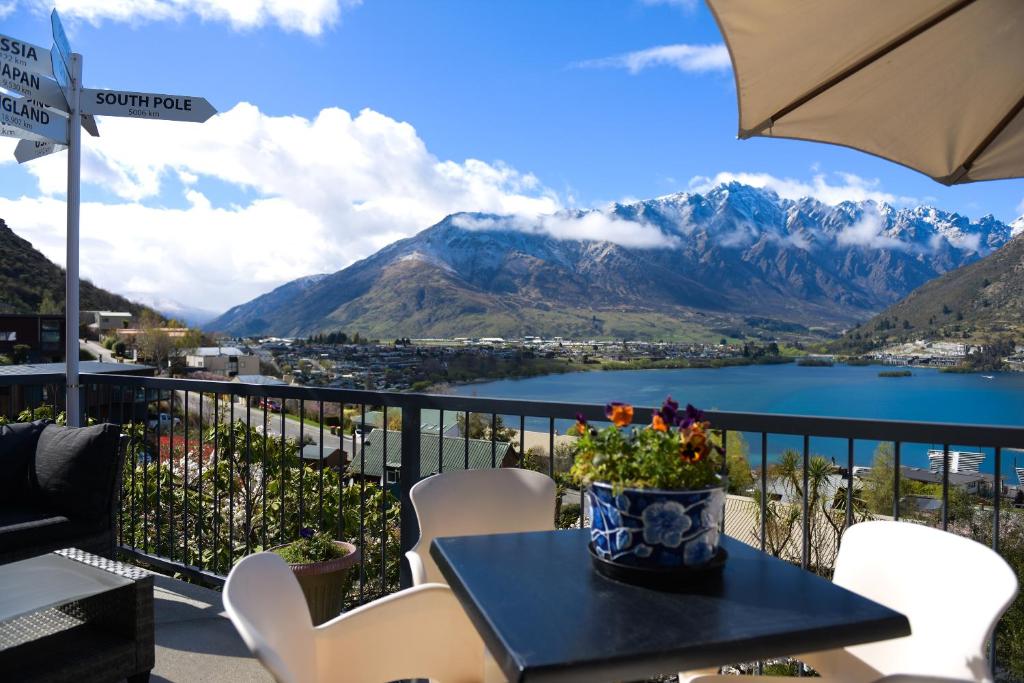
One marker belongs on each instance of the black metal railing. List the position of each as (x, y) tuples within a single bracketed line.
[(234, 487)]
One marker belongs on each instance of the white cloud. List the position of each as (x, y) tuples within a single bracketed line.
[(309, 196), (308, 16), (868, 232), (852, 188), (687, 58), (589, 225), (7, 7)]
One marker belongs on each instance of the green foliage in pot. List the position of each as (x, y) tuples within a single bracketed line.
[(312, 546)]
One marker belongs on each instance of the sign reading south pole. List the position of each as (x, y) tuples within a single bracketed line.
[(144, 105), (25, 55), (16, 112)]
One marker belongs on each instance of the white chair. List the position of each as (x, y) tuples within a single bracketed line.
[(420, 632), (915, 570), (471, 502)]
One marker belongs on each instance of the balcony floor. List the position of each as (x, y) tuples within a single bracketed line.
[(195, 641)]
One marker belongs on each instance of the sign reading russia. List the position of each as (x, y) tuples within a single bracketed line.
[(24, 55), (19, 113), (141, 105)]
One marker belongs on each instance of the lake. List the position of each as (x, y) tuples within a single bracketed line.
[(837, 391)]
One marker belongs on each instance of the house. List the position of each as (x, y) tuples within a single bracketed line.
[(32, 337), (431, 421), (105, 323), (100, 402), (371, 464), (224, 360), (333, 458), (971, 482), (965, 462)]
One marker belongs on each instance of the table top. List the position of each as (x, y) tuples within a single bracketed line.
[(50, 580), (546, 615)]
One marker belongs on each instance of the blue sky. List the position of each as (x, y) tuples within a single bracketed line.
[(346, 125)]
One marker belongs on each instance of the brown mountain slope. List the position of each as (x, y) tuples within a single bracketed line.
[(26, 277), (981, 302)]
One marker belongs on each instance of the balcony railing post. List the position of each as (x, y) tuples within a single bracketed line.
[(410, 474)]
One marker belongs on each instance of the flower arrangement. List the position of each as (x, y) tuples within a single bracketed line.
[(676, 451), (312, 546)]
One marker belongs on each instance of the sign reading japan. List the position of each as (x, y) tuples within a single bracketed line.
[(33, 85), (141, 105), (16, 112), (24, 55), (60, 39)]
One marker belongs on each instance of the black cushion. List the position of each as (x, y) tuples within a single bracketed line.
[(17, 447), (75, 469), (25, 526)]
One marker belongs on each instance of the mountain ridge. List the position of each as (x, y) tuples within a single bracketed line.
[(694, 262), (27, 276)]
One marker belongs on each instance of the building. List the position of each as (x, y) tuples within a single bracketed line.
[(100, 402), (333, 458), (105, 323), (32, 337), (971, 482), (965, 462), (223, 360), (480, 454)]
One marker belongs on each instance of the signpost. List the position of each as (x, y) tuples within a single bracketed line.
[(25, 55), (40, 121), (27, 150), (144, 105)]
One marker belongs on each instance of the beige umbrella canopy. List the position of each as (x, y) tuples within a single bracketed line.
[(936, 85)]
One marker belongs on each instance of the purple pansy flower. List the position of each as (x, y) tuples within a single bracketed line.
[(306, 532)]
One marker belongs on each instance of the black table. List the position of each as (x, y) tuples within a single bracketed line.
[(546, 615)]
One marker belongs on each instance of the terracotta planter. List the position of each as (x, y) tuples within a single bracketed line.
[(325, 583)]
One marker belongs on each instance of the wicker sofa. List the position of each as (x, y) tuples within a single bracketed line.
[(59, 488)]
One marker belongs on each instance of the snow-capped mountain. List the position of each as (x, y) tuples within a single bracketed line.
[(653, 268)]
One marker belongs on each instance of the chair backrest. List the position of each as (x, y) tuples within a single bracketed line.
[(266, 604), (952, 589), (469, 502)]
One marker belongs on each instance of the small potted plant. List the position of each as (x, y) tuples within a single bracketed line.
[(656, 493), (321, 564)]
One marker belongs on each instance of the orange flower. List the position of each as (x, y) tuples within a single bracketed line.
[(658, 423), (621, 414)]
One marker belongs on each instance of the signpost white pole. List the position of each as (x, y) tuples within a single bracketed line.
[(73, 394)]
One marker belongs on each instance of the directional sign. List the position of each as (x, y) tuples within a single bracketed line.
[(10, 132), (89, 123), (60, 73), (27, 150), (16, 112), (60, 39), (144, 105), (32, 85), (25, 55)]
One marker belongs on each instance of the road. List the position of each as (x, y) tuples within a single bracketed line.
[(95, 349), (291, 425)]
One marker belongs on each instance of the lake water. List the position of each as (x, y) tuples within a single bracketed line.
[(838, 391)]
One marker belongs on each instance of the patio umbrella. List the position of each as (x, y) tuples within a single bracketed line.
[(935, 85)]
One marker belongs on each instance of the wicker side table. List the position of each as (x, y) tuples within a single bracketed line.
[(78, 617)]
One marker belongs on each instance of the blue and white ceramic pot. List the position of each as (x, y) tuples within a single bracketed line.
[(656, 528)]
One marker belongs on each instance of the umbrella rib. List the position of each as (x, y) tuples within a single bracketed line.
[(859, 66), (964, 168)]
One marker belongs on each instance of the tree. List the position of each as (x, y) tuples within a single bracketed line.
[(20, 353), (480, 427), (737, 460), (48, 306)]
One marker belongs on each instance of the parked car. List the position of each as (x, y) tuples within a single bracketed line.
[(164, 421), (270, 404)]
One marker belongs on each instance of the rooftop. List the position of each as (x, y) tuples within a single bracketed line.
[(217, 351), (86, 366)]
